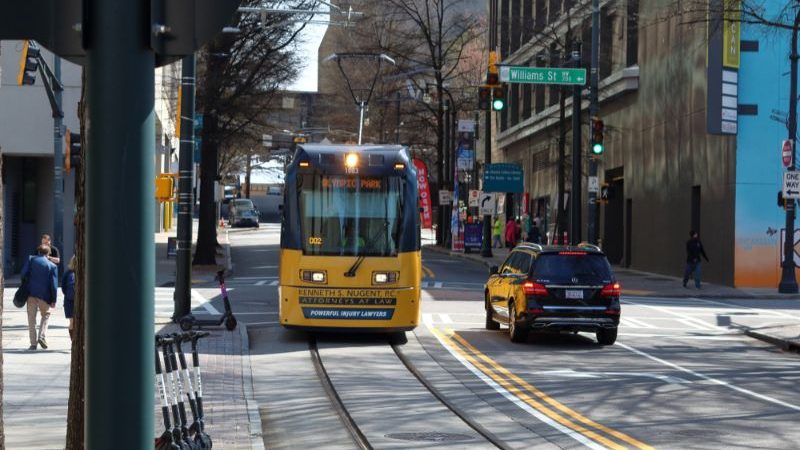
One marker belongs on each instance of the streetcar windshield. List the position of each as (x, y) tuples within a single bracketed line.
[(350, 215)]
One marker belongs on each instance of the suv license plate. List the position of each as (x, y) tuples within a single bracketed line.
[(574, 294)]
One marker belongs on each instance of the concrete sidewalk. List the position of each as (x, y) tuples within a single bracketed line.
[(36, 383), (644, 284)]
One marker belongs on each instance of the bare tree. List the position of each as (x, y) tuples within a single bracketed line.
[(238, 77)]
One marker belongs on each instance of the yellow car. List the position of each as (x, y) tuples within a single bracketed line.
[(554, 288)]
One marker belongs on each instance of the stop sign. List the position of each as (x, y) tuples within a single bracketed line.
[(786, 152)]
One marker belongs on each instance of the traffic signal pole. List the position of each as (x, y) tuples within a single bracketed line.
[(183, 256), (577, 156), (120, 273), (591, 226), (58, 162), (788, 283), (486, 243)]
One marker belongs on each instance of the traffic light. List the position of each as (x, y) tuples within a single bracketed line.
[(28, 64), (72, 151), (165, 187), (484, 98), (492, 76), (597, 136), (499, 98)]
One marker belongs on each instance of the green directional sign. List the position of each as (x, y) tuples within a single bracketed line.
[(542, 75)]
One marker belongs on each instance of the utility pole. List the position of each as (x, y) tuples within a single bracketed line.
[(183, 256), (593, 112), (119, 171), (788, 284), (58, 160), (446, 209), (562, 161), (575, 201)]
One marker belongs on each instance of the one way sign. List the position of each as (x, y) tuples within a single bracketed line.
[(791, 184)]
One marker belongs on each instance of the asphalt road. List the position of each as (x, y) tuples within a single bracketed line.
[(681, 374)]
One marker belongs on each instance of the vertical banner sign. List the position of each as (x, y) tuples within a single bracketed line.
[(723, 59), (424, 193)]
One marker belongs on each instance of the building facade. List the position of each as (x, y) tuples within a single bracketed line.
[(666, 175)]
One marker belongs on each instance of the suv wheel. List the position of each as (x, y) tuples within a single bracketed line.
[(606, 336), (516, 333), (490, 323)]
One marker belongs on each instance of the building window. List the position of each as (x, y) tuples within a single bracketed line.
[(527, 99), (632, 57), (29, 200), (606, 43), (516, 25), (504, 29), (540, 160), (514, 104), (541, 15), (527, 20), (553, 10)]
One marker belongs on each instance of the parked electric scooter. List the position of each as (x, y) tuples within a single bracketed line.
[(201, 438), (179, 434), (165, 441), (188, 321)]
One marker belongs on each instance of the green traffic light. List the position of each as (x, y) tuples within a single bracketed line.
[(597, 148), (498, 104)]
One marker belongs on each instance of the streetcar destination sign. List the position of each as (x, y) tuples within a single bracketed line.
[(542, 75)]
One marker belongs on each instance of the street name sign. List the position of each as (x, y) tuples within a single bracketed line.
[(791, 185), (542, 75)]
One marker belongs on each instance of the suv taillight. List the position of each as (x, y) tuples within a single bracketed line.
[(531, 288), (611, 290)]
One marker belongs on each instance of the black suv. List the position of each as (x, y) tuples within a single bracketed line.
[(558, 288)]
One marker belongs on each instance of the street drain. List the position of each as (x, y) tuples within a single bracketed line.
[(430, 437)]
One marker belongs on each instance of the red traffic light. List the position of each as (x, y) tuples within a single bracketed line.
[(484, 97), (492, 78)]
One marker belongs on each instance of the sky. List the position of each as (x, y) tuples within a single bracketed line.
[(307, 49)]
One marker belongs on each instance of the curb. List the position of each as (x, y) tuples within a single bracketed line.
[(784, 344), (488, 263), (253, 416)]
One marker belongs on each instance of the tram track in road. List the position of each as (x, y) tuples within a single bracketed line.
[(426, 398)]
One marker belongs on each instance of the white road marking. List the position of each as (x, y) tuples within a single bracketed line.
[(204, 303), (445, 318), (749, 308), (570, 373), (437, 285), (748, 392), (513, 399), (261, 283), (274, 283), (423, 285), (703, 337), (691, 324), (636, 323), (427, 319)]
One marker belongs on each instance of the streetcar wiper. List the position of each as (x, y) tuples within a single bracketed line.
[(351, 272)]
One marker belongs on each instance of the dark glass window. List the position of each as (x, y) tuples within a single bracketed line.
[(632, 54), (558, 268)]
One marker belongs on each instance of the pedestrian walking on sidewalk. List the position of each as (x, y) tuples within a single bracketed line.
[(497, 233), (511, 233), (526, 227), (694, 249), (68, 288), (55, 255), (43, 283)]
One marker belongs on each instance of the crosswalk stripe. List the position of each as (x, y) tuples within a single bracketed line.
[(445, 318)]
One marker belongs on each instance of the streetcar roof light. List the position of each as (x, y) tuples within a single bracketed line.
[(304, 164), (351, 160), (399, 166)]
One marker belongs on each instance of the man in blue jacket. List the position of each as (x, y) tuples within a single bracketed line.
[(42, 278)]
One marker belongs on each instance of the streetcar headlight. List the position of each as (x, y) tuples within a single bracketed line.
[(313, 276), (351, 160), (384, 277)]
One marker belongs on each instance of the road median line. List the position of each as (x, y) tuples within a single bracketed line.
[(549, 400), (517, 396)]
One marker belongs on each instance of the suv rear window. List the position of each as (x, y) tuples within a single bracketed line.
[(554, 267)]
